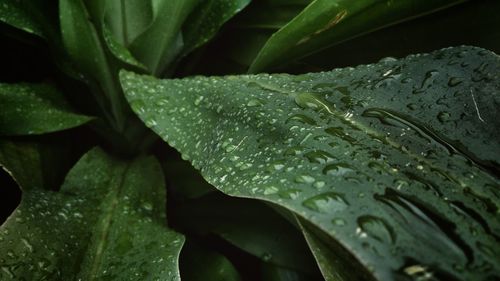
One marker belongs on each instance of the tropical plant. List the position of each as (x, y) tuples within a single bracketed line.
[(111, 122)]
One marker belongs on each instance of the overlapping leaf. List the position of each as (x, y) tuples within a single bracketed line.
[(107, 222), (393, 161), (325, 22), (14, 13), (30, 109)]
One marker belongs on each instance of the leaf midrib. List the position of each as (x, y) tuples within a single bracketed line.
[(107, 221)]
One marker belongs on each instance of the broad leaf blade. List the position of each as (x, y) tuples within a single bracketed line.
[(392, 160), (128, 19), (31, 109), (106, 222), (14, 13), (325, 22)]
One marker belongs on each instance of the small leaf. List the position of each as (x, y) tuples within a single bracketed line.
[(22, 161), (107, 222), (120, 51), (30, 109), (13, 12), (325, 22), (395, 161)]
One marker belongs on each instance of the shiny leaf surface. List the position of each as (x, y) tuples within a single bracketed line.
[(106, 223), (394, 161), (31, 109), (325, 23)]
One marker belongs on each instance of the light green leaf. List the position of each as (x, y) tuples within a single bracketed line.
[(327, 22), (162, 41), (204, 22), (391, 160), (31, 109), (106, 223), (128, 19), (13, 12)]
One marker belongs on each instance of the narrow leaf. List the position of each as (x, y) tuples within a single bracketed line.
[(31, 109), (162, 41), (13, 12), (325, 22), (394, 160), (204, 22), (107, 222), (128, 19)]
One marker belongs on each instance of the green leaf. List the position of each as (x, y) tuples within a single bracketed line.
[(204, 22), (162, 41), (22, 161), (325, 22), (119, 50), (31, 109), (37, 162), (330, 264), (81, 39), (200, 264), (250, 226), (394, 160), (106, 223), (13, 12), (128, 19)]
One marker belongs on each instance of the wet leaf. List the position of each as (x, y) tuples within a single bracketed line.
[(22, 161), (325, 23), (14, 13), (394, 161), (32, 109), (107, 223)]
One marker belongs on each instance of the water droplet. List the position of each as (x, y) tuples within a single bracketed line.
[(311, 101), (377, 228), (254, 102), (427, 82), (138, 106), (319, 156), (340, 133), (454, 81), (270, 190), (328, 202), (339, 222), (304, 179), (302, 119), (337, 169), (290, 193), (444, 116), (267, 257)]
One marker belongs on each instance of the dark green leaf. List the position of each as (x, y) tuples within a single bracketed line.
[(325, 22), (119, 50), (200, 264), (329, 261), (271, 272), (82, 41), (205, 21), (106, 223), (249, 225), (22, 161), (13, 12), (30, 109), (392, 160)]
